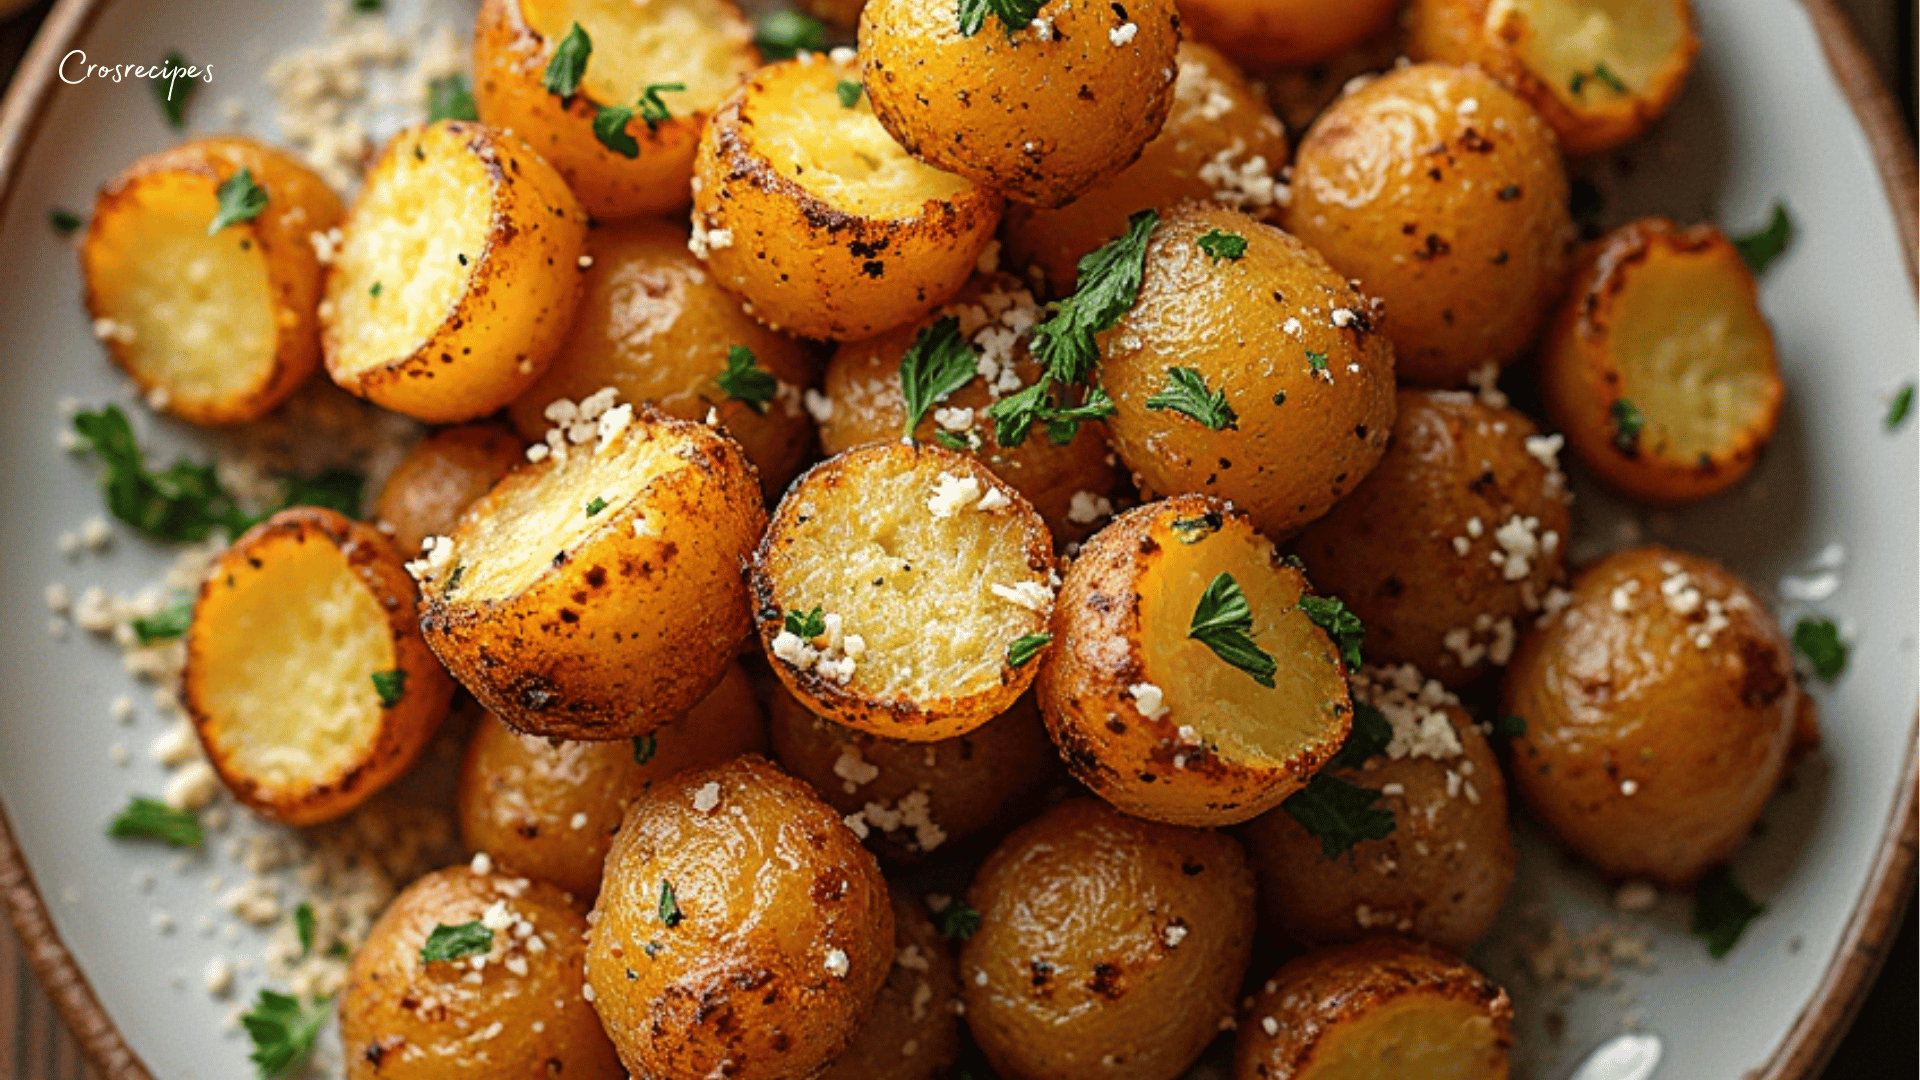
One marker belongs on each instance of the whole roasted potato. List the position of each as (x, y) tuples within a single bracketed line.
[(1108, 947), (1042, 112), (1660, 367), (913, 1032), (1453, 542), (212, 314), (741, 929), (440, 477), (550, 810), (1445, 196), (1286, 32), (1660, 708), (1281, 404)]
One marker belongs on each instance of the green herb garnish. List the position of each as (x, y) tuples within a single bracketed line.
[(303, 926), (938, 362), (1759, 249), (958, 920), (1025, 648), (282, 1031), (1371, 734), (1195, 529), (644, 747), (391, 686), (1339, 813), (173, 97), (369, 5), (1187, 393), (1316, 363), (1223, 622), (1627, 423), (807, 625), (456, 942), (610, 127), (151, 819), (165, 624), (849, 92), (781, 34), (65, 222), (240, 200), (448, 98), (1513, 727), (951, 441), (595, 505), (1721, 911), (1819, 641), (569, 62), (1343, 626), (744, 381), (375, 289), (1898, 408), (1108, 284), (669, 905), (1220, 244), (652, 109), (1600, 74)]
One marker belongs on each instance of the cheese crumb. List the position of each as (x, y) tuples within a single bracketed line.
[(708, 797), (1122, 35), (1086, 507), (952, 494), (1028, 594), (1175, 935), (1149, 699), (837, 963)]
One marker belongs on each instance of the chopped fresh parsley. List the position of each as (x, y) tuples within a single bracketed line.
[(1372, 733), (1339, 813), (951, 441), (1187, 393), (1063, 421), (1014, 415), (849, 91), (1223, 622), (595, 505), (669, 904), (391, 686), (569, 62), (1108, 284), (1601, 74), (1220, 244), (1343, 626), (449, 99), (183, 502), (781, 34), (282, 1031), (958, 919), (1025, 648), (938, 362), (151, 819), (369, 5), (303, 926), (610, 127), (240, 200), (1195, 529), (745, 381), (1819, 641), (808, 624), (1721, 911), (1627, 423), (644, 747), (1316, 363), (1015, 15), (172, 96), (1759, 249), (65, 222), (375, 289), (339, 490), (652, 109), (1509, 725), (1898, 408), (456, 942), (165, 624)]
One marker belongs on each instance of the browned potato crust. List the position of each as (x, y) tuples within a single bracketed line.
[(1453, 542), (550, 810), (913, 1032), (741, 931), (1660, 708), (1446, 197), (844, 14), (440, 477), (1108, 947), (404, 1019), (1663, 326), (1286, 31)]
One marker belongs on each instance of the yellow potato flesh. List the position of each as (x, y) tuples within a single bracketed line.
[(640, 44), (1633, 39), (1416, 1036)]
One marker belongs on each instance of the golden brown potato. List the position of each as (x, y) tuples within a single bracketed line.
[(442, 475), (1194, 728), (808, 210), (906, 799), (1299, 94), (1443, 872), (653, 325), (1600, 73), (690, 53), (1446, 197), (512, 1008), (1290, 32), (1381, 1009), (1220, 142), (1108, 947), (844, 14), (1660, 707), (1453, 542), (456, 275), (596, 593), (891, 588), (1660, 367), (550, 810), (741, 930), (1041, 112), (1071, 486), (913, 1032), (215, 325), (1299, 380), (306, 675)]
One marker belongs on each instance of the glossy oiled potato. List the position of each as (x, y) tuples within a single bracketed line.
[(913, 1032), (653, 325), (1660, 367), (1660, 708), (440, 477), (1452, 543), (1445, 195), (1306, 375), (741, 929), (550, 810), (1286, 32), (514, 1009), (1165, 723), (1042, 112), (1108, 947)]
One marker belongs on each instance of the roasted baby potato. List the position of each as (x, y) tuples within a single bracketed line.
[(440, 477), (808, 210), (912, 1032), (741, 930), (509, 1004), (1660, 708), (456, 275), (1071, 486), (1601, 73), (1381, 1009), (653, 325), (549, 810), (596, 593), (1286, 32), (910, 799), (1297, 379), (1108, 947), (891, 588), (1453, 542), (306, 675), (1446, 197), (215, 325), (1660, 367), (1220, 142), (1443, 872), (687, 53)]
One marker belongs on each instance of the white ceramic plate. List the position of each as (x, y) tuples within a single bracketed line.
[(1762, 121)]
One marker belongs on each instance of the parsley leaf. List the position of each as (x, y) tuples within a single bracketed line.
[(808, 625), (339, 490), (938, 362), (183, 502), (849, 91), (456, 942), (449, 99), (1819, 641), (1627, 423), (742, 381), (303, 926), (1339, 813), (595, 505), (1195, 529), (172, 96), (781, 34), (669, 904), (1014, 415), (1220, 244), (282, 1031), (165, 624), (1187, 393), (610, 127), (1343, 626), (1513, 727), (1898, 408), (644, 747), (65, 222), (1721, 911), (1025, 648), (1601, 74), (958, 919), (391, 686), (1223, 622), (1015, 15), (569, 62), (240, 200), (951, 441), (652, 109), (369, 5), (1063, 421), (151, 819), (1108, 284), (1316, 362), (1759, 249), (1371, 735)]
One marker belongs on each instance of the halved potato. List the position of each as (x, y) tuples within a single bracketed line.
[(440, 477), (306, 675), (913, 1032), (1159, 720), (597, 593), (809, 211), (215, 326), (892, 583), (456, 276), (1660, 367), (1286, 32), (705, 46)]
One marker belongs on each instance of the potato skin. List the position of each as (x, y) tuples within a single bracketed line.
[(1458, 220), (440, 477), (1071, 973), (769, 884), (1286, 32), (520, 796), (1086, 104), (912, 1032), (1654, 737), (1389, 550), (389, 1035), (1302, 439)]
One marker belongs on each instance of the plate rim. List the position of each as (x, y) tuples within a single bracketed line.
[(1808, 1044)]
